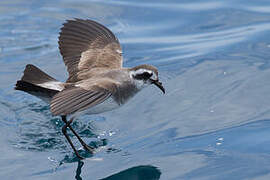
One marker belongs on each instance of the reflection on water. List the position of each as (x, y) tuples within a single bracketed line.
[(213, 59), (137, 173), (134, 173), (79, 170)]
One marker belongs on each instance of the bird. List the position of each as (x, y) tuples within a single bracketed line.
[(97, 80)]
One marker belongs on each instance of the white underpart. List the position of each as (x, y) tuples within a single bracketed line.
[(55, 85)]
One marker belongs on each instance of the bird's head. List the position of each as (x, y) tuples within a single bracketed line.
[(144, 75)]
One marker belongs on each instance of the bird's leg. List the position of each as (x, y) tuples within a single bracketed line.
[(64, 130), (85, 146)]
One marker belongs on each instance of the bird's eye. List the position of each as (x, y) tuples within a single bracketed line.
[(144, 76)]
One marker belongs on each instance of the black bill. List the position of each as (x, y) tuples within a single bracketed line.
[(159, 85)]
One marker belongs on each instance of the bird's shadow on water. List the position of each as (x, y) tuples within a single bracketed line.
[(79, 170), (137, 173), (134, 173)]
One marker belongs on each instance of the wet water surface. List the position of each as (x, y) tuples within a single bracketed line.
[(213, 122)]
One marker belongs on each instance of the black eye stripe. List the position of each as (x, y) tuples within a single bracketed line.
[(145, 75)]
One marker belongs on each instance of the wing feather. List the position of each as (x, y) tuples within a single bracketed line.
[(76, 99), (86, 44)]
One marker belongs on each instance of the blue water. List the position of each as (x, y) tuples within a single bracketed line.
[(213, 123)]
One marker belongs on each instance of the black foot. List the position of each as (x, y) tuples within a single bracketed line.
[(79, 156), (88, 148)]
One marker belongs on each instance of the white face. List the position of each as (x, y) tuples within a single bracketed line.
[(142, 77)]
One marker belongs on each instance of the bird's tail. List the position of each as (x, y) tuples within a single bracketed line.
[(36, 82)]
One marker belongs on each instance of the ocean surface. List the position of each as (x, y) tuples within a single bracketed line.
[(213, 123)]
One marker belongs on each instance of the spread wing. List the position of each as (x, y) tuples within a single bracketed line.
[(86, 44), (76, 99)]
